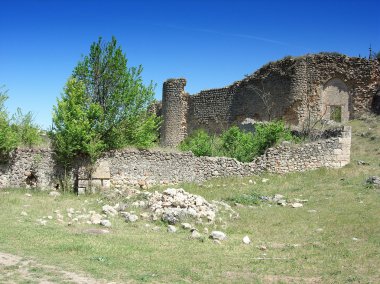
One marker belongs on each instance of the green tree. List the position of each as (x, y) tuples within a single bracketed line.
[(120, 93), (27, 132), (74, 120), (8, 139)]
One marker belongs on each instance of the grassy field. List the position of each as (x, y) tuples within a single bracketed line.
[(333, 238)]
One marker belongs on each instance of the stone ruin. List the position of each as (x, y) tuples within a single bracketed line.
[(296, 89)]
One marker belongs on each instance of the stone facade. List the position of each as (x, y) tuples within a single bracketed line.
[(132, 167), (298, 90)]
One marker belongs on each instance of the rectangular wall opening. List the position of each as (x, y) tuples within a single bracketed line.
[(336, 113)]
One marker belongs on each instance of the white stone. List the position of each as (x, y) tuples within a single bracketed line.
[(195, 234), (218, 235), (95, 219), (105, 223), (109, 210), (172, 229), (186, 226), (23, 213), (296, 205), (246, 240)]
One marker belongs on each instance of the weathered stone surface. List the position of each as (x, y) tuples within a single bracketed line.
[(374, 180), (313, 85), (109, 210), (172, 229), (218, 235), (173, 205), (246, 240), (129, 166), (105, 223)]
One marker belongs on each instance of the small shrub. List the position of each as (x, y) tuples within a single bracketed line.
[(237, 144), (269, 134), (200, 143), (246, 199)]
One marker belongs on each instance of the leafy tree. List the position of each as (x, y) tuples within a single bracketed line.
[(27, 132), (120, 93), (16, 130), (8, 139), (74, 120)]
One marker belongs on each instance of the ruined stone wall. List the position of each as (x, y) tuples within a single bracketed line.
[(300, 90), (211, 110), (27, 167), (132, 167), (174, 112)]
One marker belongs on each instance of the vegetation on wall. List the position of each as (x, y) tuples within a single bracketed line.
[(16, 130), (104, 106), (235, 143)]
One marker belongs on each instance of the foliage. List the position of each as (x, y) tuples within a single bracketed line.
[(104, 107), (120, 94), (235, 143), (8, 139), (16, 130), (75, 128), (27, 132), (199, 142), (252, 198), (269, 134)]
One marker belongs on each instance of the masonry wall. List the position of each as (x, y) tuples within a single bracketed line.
[(211, 110), (297, 89), (132, 167), (174, 112)]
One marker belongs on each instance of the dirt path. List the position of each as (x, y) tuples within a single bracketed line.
[(15, 269)]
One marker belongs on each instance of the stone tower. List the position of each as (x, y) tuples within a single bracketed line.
[(174, 112)]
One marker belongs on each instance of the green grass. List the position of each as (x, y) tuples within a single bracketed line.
[(302, 246)]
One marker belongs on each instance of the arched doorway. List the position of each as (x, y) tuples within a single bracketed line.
[(376, 103), (335, 98)]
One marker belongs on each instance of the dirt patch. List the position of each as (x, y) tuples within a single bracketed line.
[(15, 269)]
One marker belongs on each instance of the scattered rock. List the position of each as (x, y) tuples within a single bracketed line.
[(129, 217), (195, 235), (264, 180), (374, 180), (28, 195), (362, 163), (23, 213), (109, 210), (312, 211), (95, 219), (186, 226), (172, 229), (355, 239), (218, 235), (262, 247), (296, 205), (173, 205), (246, 240), (54, 193), (105, 223)]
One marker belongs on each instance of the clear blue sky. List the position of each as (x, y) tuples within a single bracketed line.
[(211, 43)]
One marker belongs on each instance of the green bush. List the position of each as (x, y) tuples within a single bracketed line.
[(199, 142), (252, 198), (269, 134), (19, 130), (235, 143)]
